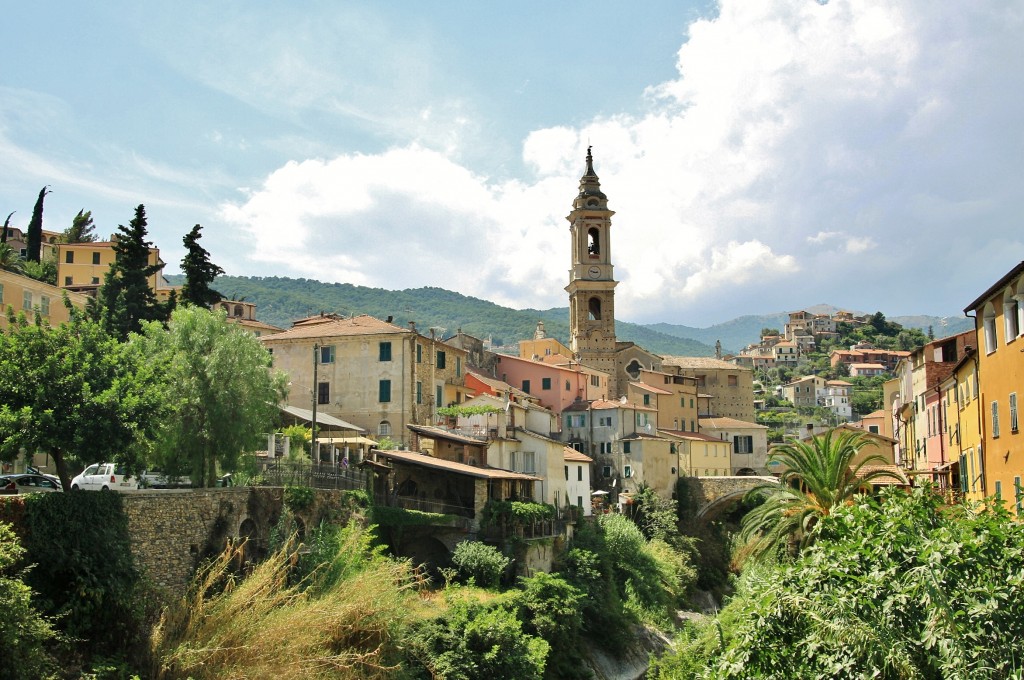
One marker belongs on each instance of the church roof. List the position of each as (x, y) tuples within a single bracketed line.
[(700, 362)]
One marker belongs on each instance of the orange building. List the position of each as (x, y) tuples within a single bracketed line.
[(999, 321)]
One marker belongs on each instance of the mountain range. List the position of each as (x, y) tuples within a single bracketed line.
[(280, 300)]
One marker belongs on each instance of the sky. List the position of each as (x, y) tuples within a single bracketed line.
[(759, 156)]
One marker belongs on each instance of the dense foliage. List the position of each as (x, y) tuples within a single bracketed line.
[(895, 587), (84, 574), (24, 633), (76, 394)]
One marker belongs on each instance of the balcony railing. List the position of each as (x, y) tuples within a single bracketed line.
[(315, 475)]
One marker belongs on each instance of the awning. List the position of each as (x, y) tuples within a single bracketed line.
[(323, 420), (347, 440)]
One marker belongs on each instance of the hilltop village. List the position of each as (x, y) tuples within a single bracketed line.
[(590, 423)]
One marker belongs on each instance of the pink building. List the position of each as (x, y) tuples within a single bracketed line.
[(555, 386)]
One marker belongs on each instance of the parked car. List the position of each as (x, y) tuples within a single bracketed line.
[(105, 477), (28, 483)]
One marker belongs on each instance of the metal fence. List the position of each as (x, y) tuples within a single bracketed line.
[(316, 475)]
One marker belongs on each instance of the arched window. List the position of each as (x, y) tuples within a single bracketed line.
[(384, 429), (238, 310), (1011, 316), (989, 326), (593, 241), (595, 309)]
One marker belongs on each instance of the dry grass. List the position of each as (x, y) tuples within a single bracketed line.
[(263, 626)]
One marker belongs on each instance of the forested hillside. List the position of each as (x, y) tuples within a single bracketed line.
[(280, 300)]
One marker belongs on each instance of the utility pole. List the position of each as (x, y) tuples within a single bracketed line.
[(316, 394)]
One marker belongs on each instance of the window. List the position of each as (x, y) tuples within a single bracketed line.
[(95, 280), (605, 421), (625, 447), (439, 395), (441, 363), (1013, 412), (995, 419), (323, 393), (743, 444), (385, 351), (384, 429), (529, 464), (568, 385), (1011, 309), (419, 353), (579, 473), (641, 420), (1018, 495), (733, 381), (95, 258), (327, 354), (69, 257), (594, 308), (999, 490), (1, 292), (419, 391), (458, 367), (647, 400), (579, 501), (44, 305), (989, 327), (595, 381), (26, 299), (606, 471), (627, 471), (526, 386), (691, 403), (567, 473), (545, 383), (873, 429), (384, 391)]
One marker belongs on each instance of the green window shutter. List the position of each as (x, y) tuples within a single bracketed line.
[(384, 391), (385, 351)]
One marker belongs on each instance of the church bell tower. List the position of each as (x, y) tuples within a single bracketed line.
[(591, 285)]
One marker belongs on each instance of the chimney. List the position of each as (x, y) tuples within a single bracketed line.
[(389, 319), (412, 326)]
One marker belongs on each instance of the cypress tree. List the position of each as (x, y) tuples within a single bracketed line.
[(35, 228), (126, 299), (199, 272), (7, 223)]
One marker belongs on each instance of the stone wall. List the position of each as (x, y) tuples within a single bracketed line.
[(172, 530)]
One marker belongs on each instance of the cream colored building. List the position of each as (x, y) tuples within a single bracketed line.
[(700, 455), (675, 397), (749, 443), (369, 372), (24, 294), (729, 388)]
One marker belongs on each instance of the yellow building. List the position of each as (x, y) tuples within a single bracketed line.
[(963, 426), (81, 267), (700, 455), (675, 397), (24, 294), (728, 389), (999, 320)]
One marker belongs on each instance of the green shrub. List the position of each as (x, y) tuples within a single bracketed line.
[(298, 498), (482, 563), (476, 641), (24, 633)]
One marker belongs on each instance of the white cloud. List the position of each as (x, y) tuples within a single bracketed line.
[(797, 138)]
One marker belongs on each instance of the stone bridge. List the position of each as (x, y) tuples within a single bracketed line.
[(711, 496)]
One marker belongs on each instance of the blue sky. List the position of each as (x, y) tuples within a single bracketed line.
[(760, 157)]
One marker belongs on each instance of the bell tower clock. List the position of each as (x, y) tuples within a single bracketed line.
[(591, 286)]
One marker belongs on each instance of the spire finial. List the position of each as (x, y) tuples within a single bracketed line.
[(590, 163)]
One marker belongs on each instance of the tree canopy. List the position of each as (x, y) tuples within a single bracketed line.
[(75, 393), (221, 392), (81, 229)]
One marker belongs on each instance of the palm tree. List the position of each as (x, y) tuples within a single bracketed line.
[(819, 476), (10, 259)]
